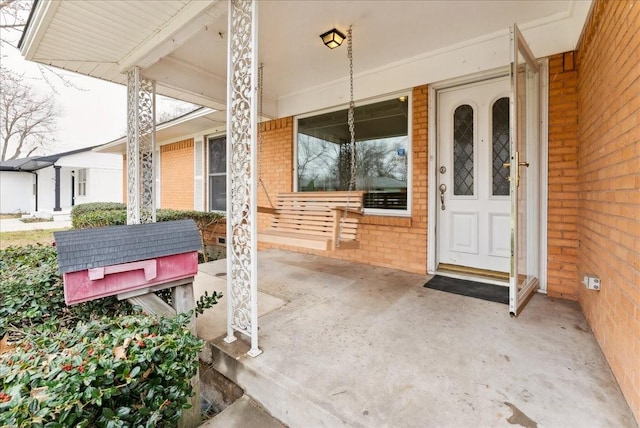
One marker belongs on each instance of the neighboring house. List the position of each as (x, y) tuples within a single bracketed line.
[(434, 109), (53, 184)]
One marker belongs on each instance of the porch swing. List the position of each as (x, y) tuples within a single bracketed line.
[(325, 221)]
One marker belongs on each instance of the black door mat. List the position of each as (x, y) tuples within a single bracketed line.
[(479, 290)]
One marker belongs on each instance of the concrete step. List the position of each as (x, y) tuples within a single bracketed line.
[(292, 403), (243, 413)]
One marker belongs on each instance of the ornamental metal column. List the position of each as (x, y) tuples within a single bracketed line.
[(141, 138), (242, 262)]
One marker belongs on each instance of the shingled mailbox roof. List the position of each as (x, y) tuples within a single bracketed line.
[(92, 248)]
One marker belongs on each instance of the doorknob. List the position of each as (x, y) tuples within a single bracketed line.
[(443, 188)]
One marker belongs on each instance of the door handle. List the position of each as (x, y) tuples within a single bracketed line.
[(443, 188), (519, 163), (508, 164)]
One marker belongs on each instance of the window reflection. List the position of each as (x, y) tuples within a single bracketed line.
[(382, 145)]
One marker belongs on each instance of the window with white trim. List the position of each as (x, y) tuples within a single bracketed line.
[(382, 153), (82, 182), (217, 152)]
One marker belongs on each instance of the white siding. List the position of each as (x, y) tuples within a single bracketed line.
[(46, 189), (16, 192), (103, 185)]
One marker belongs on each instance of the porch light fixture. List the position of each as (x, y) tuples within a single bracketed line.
[(332, 38)]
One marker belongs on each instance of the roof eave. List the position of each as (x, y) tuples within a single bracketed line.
[(39, 18)]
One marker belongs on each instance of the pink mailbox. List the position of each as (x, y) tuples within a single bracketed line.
[(107, 261)]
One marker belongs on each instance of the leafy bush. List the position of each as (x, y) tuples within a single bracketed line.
[(101, 214), (99, 218), (31, 293), (97, 206), (98, 214), (127, 371), (92, 364), (36, 219), (202, 218), (113, 214)]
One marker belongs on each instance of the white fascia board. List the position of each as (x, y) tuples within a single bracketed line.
[(42, 16), (191, 19), (185, 118), (112, 147)]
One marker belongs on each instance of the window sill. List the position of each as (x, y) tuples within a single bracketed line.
[(380, 220)]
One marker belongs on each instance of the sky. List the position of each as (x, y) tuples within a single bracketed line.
[(92, 113)]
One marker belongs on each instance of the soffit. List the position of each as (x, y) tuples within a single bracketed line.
[(182, 44)]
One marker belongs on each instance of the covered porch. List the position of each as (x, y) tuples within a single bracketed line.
[(348, 344), (209, 52)]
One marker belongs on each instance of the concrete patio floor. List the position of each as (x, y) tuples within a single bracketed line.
[(348, 344)]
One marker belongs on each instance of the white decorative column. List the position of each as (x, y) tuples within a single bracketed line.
[(141, 136), (242, 262)]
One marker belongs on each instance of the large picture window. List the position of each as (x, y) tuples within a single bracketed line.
[(217, 147), (382, 152)]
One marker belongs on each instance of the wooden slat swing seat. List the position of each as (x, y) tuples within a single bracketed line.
[(324, 221)]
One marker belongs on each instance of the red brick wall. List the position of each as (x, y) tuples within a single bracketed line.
[(394, 242), (277, 159), (176, 175), (609, 185), (562, 243)]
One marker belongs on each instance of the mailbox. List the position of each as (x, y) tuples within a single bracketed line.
[(107, 261)]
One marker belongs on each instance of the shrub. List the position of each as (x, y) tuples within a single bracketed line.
[(127, 371), (113, 214), (102, 214), (31, 293), (99, 218), (98, 214), (97, 206), (92, 364)]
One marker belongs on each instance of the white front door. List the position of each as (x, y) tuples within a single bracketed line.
[(473, 185)]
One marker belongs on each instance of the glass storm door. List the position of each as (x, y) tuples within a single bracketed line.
[(524, 170), (473, 206)]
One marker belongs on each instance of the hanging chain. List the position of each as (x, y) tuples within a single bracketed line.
[(260, 133), (352, 133), (351, 120)]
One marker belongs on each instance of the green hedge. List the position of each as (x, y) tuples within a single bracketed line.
[(95, 206), (111, 214)]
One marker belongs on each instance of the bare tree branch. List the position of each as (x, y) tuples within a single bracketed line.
[(13, 19), (28, 120)]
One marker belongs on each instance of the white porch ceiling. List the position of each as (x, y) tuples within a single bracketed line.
[(397, 44)]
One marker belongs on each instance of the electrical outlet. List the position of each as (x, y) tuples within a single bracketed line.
[(591, 282)]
